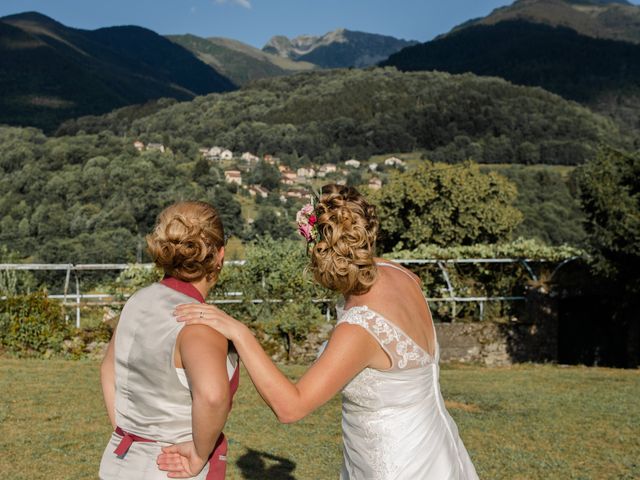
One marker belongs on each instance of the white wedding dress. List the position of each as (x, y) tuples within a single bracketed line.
[(394, 422)]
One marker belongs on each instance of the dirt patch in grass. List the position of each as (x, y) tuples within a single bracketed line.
[(465, 407)]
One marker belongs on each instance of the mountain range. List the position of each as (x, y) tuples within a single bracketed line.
[(583, 50), (50, 72), (337, 49)]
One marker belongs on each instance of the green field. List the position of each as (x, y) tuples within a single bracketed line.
[(523, 422)]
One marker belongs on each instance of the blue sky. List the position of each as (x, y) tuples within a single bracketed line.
[(255, 21)]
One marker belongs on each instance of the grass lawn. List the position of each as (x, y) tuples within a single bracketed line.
[(523, 422)]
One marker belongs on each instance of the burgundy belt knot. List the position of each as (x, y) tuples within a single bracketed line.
[(127, 441)]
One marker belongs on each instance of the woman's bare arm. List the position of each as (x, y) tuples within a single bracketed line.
[(349, 351), (108, 380), (203, 354)]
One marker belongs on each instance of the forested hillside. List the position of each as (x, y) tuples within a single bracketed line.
[(334, 115), (50, 72), (602, 74), (612, 19), (92, 198)]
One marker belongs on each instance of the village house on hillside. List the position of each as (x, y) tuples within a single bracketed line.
[(297, 193), (373, 167), (233, 176), (325, 169), (352, 163), (288, 177), (138, 145), (226, 155), (375, 184), (258, 191), (250, 157), (304, 173), (394, 162), (155, 147), (212, 153)]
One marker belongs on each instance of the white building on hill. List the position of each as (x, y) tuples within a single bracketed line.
[(288, 177), (306, 172), (258, 190), (155, 147), (233, 176), (394, 162), (352, 163), (325, 169), (212, 153), (375, 184), (250, 157)]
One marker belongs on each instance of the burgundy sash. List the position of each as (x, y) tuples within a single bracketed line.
[(218, 459)]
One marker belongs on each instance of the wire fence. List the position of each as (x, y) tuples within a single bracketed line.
[(73, 297)]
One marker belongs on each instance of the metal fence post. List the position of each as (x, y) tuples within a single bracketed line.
[(75, 272)]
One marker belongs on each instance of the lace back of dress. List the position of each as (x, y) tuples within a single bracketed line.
[(401, 349)]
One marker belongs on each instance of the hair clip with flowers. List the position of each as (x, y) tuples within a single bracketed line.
[(308, 222)]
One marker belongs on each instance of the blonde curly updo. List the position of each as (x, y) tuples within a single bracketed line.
[(186, 240), (343, 257)]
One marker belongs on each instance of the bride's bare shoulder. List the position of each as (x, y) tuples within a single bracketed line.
[(383, 261)]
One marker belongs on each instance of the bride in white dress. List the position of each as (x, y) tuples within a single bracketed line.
[(383, 355)]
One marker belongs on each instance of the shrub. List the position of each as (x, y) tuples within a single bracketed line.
[(277, 293), (32, 325)]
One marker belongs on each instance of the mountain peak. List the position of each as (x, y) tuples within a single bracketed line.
[(33, 17), (302, 44), (337, 49)]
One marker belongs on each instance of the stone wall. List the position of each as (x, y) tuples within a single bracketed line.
[(531, 338)]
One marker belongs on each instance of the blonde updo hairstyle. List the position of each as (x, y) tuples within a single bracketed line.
[(186, 241), (343, 257)]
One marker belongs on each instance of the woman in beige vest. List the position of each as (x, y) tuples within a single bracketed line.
[(164, 384)]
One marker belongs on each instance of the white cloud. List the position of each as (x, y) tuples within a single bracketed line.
[(242, 3)]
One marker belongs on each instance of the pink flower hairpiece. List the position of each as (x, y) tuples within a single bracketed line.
[(308, 222)]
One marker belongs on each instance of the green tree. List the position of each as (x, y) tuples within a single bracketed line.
[(273, 223), (277, 292), (264, 174), (610, 194), (446, 205)]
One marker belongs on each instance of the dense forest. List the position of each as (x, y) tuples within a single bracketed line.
[(330, 116), (603, 74)]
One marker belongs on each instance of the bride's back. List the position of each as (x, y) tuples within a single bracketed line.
[(397, 296)]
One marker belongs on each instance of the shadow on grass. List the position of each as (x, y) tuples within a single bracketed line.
[(253, 466)]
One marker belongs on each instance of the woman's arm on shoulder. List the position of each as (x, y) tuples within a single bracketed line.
[(203, 354), (108, 379), (349, 350)]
